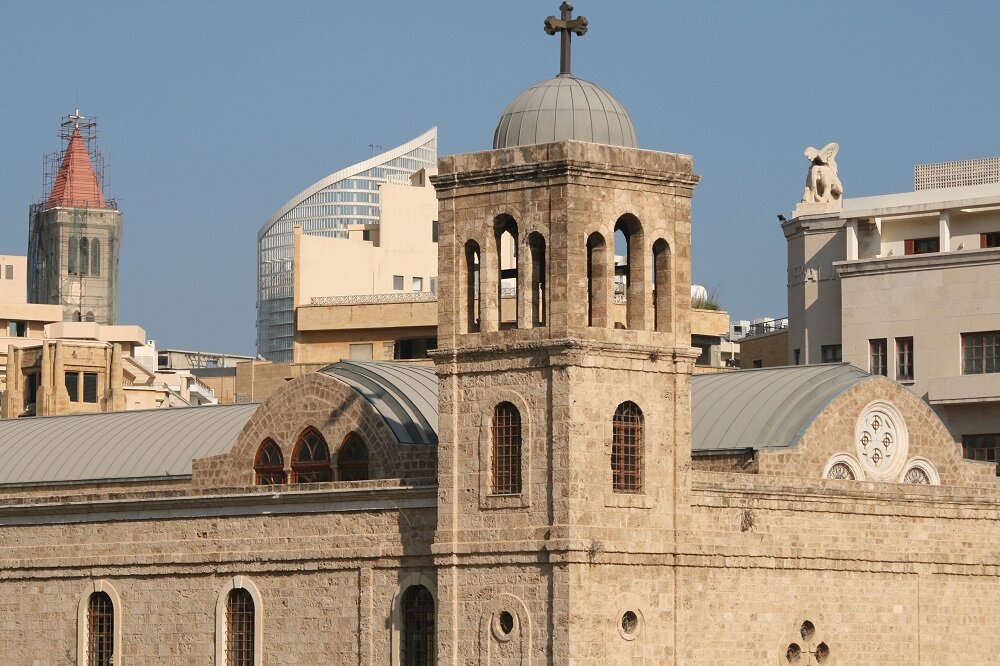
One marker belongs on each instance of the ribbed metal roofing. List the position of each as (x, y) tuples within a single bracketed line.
[(405, 395), (564, 108), (153, 443), (770, 408)]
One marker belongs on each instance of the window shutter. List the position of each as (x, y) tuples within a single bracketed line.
[(908, 247), (982, 241)]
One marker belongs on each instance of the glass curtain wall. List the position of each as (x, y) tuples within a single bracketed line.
[(326, 208)]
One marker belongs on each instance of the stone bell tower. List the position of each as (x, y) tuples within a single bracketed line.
[(564, 365)]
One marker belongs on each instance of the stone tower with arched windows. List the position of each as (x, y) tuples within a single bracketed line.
[(74, 235), (564, 367)]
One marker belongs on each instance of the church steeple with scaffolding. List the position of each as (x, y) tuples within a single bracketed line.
[(75, 231)]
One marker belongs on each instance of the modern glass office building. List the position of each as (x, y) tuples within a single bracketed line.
[(325, 208)]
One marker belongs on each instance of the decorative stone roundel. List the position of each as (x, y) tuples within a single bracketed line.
[(881, 440)]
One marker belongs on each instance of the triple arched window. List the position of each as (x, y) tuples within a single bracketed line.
[(505, 466), (624, 280), (626, 449), (83, 256), (504, 284), (311, 461)]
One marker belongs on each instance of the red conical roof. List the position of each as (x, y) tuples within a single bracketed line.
[(76, 183)]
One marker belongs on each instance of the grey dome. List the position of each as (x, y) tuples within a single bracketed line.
[(562, 108)]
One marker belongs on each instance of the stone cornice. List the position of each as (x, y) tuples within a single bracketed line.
[(917, 262), (540, 173), (48, 511), (560, 347)]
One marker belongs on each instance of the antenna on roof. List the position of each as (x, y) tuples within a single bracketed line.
[(376, 148)]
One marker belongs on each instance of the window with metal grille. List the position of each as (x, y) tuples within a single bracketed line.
[(100, 630), (270, 464), (506, 460), (980, 352), (878, 364), (311, 460), (352, 461), (239, 628), (626, 449), (417, 641), (904, 358)]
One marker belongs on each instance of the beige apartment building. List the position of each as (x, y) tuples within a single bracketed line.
[(902, 285)]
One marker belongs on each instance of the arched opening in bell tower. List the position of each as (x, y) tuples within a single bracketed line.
[(662, 287), (508, 305), (597, 280), (536, 248), (629, 271)]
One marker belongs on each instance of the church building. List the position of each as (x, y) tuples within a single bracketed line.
[(557, 489)]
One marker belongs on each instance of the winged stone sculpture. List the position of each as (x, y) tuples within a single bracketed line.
[(822, 182)]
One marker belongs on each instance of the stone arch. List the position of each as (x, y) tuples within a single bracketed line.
[(471, 286), (406, 581), (632, 273), (335, 410), (486, 498), (663, 287), (82, 634), (221, 629), (506, 249), (497, 645), (536, 290), (599, 284)]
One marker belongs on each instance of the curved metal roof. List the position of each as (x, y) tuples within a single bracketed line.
[(770, 408), (155, 443), (347, 172), (564, 108), (405, 395)]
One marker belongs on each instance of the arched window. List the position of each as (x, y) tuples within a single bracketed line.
[(238, 625), (417, 641), (630, 274), (269, 465), (84, 255), (76, 316), (100, 630), (662, 287), (352, 460), (505, 468), (536, 246), (95, 257), (472, 276), (240, 614), (597, 281), (311, 459), (89, 316), (505, 229), (73, 255), (626, 449)]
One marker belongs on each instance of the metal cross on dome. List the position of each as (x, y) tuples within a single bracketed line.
[(567, 25)]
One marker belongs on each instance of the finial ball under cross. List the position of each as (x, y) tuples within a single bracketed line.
[(567, 25)]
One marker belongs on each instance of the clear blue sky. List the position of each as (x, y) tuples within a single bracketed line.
[(213, 114)]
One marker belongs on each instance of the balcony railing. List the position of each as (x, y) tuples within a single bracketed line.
[(767, 326)]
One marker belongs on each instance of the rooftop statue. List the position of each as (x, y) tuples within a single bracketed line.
[(822, 183)]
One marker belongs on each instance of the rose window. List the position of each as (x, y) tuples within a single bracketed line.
[(881, 441)]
